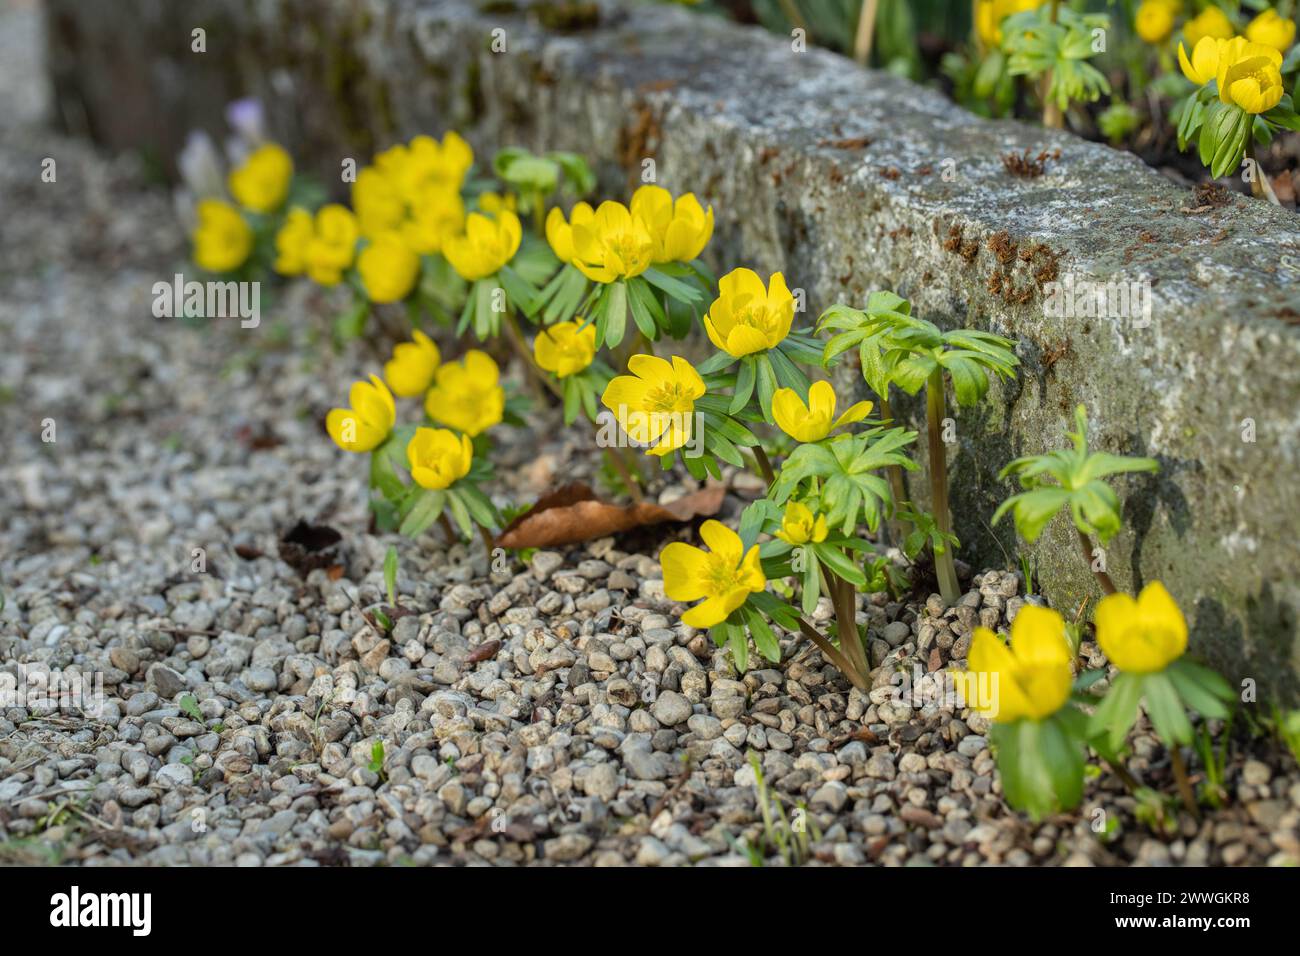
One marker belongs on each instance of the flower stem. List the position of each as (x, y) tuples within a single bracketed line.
[(1085, 549), (1053, 118), (488, 544), (447, 529), (834, 656), (617, 462), (764, 465), (539, 379), (944, 568), (862, 43), (846, 621), (900, 528), (1184, 783)]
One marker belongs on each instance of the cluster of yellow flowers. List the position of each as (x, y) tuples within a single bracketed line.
[(1156, 21), (616, 242), (465, 397), (989, 14), (1248, 74), (223, 239)]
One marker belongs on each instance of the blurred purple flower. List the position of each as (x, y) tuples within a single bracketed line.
[(246, 119)]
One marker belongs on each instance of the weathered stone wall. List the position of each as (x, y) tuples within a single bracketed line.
[(836, 176)]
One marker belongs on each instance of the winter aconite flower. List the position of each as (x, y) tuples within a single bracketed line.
[(748, 317), (222, 239), (388, 269), (1272, 30), (377, 202), (725, 576), (488, 243), (367, 423), (427, 163), (655, 405), (1154, 20), (680, 229), (1250, 75), (467, 395), (1030, 678), (438, 457), (261, 183), (798, 526), (433, 219), (559, 233), (816, 420), (411, 370), (989, 15), (322, 247), (1141, 636), (565, 348), (611, 245), (1210, 22)]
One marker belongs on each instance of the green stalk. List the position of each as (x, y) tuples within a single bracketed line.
[(865, 38), (764, 465), (899, 528), (944, 567), (1053, 118)]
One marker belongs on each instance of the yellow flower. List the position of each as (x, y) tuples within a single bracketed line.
[(388, 269), (746, 317), (798, 526), (262, 182), (1155, 20), (816, 420), (1210, 22), (291, 242), (724, 578), (1270, 29), (655, 405), (1203, 65), (433, 219), (1141, 636), (560, 233), (989, 15), (222, 240), (425, 162), (680, 229), (487, 244), (565, 348), (1030, 678), (369, 420), (377, 202), (1250, 75), (611, 245), (412, 368), (466, 395), (333, 244), (438, 458)]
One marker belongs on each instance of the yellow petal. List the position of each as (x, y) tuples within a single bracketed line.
[(684, 568)]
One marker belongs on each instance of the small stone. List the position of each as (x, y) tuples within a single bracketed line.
[(165, 681), (671, 708)]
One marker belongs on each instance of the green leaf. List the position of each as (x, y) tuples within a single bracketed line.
[(460, 513), (615, 313), (766, 383), (1117, 712), (1166, 710), (390, 574), (745, 378), (428, 505), (676, 288), (764, 639), (740, 649)]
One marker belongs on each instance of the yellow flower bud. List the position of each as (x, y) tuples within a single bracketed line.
[(1210, 22), (1249, 75), (262, 182), (799, 527), (1030, 678), (364, 425), (466, 395), (488, 243), (680, 229), (438, 457), (1155, 20), (388, 269), (222, 239), (1141, 636), (747, 317), (1272, 30), (816, 420), (412, 368), (565, 348)]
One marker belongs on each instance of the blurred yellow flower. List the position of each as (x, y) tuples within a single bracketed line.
[(1141, 636), (411, 370), (432, 220), (559, 233), (438, 457), (989, 14), (222, 239), (1030, 678), (1210, 22), (322, 247), (1154, 20), (798, 526), (611, 245), (492, 203), (369, 420), (816, 420), (565, 348), (378, 204), (1271, 29), (262, 182), (655, 405), (724, 578), (388, 269), (467, 395), (746, 317), (425, 162), (1250, 75), (680, 229), (487, 244)]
